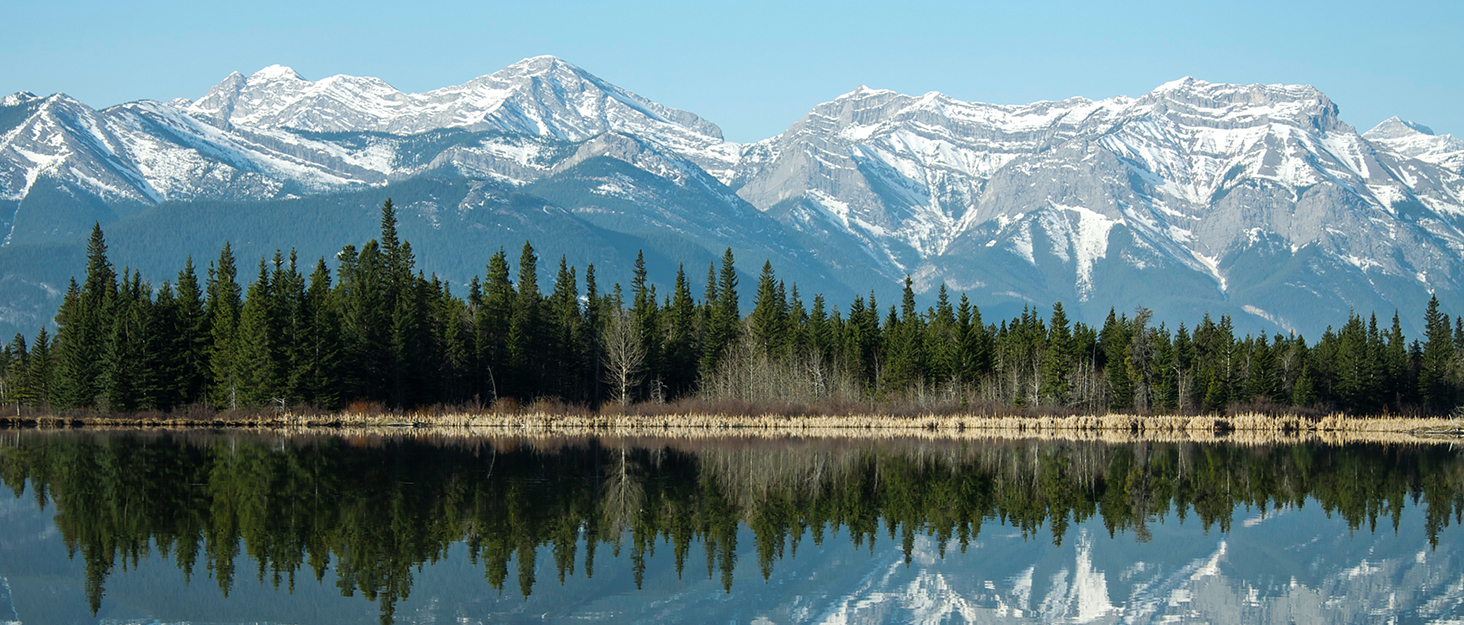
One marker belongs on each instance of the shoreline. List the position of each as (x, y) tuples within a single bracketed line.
[(1244, 428)]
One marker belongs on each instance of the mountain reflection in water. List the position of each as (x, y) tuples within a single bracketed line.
[(499, 529)]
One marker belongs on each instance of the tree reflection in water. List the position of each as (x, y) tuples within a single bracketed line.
[(376, 507)]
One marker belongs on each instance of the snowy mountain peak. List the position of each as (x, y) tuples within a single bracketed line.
[(18, 98), (1182, 84), (1395, 128), (1231, 100), (541, 95), (1418, 141), (274, 73), (863, 91), (541, 64)]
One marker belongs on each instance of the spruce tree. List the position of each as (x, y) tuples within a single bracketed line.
[(191, 323), (13, 368), (767, 313), (725, 318), (647, 315), (1435, 386), (322, 383), (941, 340), (567, 328), (1057, 360), (595, 323), (223, 315), (1183, 366), (87, 322), (1115, 338), (975, 343), (38, 375), (256, 371), (523, 366), (682, 345), (492, 325), (365, 322)]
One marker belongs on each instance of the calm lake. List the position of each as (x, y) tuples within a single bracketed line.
[(233, 527)]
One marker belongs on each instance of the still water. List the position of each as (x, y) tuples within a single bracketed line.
[(229, 527)]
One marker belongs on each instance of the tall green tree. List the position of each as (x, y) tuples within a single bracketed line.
[(1057, 360), (83, 327), (223, 306), (1435, 384), (256, 367)]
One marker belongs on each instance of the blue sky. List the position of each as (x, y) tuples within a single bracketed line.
[(756, 67)]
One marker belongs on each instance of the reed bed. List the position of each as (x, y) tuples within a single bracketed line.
[(1241, 428)]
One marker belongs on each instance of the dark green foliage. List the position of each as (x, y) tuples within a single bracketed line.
[(1057, 360), (223, 315), (84, 324), (376, 329)]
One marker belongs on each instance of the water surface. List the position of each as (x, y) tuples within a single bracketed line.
[(233, 527)]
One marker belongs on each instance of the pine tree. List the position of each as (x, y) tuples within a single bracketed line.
[(256, 370), (522, 366), (1304, 393), (38, 374), (1261, 377), (13, 367), (407, 340), (366, 314), (595, 320), (129, 376), (647, 315), (567, 328), (322, 380), (975, 343), (190, 324), (725, 318), (1435, 386), (1116, 338), (223, 313), (1057, 360), (821, 331), (767, 313), (904, 348), (81, 337), (1165, 393), (492, 324), (682, 345), (941, 340), (292, 318)]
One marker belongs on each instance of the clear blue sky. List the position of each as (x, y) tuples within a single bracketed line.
[(756, 67)]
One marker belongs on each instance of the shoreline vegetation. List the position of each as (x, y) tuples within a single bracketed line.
[(377, 335), (1242, 428)]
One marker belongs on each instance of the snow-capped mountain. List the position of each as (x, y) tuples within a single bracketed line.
[(1182, 186), (1256, 201), (1419, 141)]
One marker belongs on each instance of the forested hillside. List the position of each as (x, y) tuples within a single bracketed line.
[(369, 327)]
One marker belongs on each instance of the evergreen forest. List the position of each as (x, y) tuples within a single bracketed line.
[(369, 328)]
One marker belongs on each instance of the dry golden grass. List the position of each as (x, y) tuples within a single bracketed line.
[(1244, 428)]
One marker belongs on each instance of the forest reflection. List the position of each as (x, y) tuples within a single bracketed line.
[(372, 509)]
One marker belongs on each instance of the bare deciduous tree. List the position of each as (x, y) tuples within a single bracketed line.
[(625, 356)]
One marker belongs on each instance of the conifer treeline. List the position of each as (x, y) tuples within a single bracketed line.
[(376, 329)]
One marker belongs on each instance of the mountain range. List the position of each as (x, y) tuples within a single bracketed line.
[(1255, 201)]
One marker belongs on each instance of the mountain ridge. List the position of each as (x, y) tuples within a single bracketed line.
[(1021, 204)]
